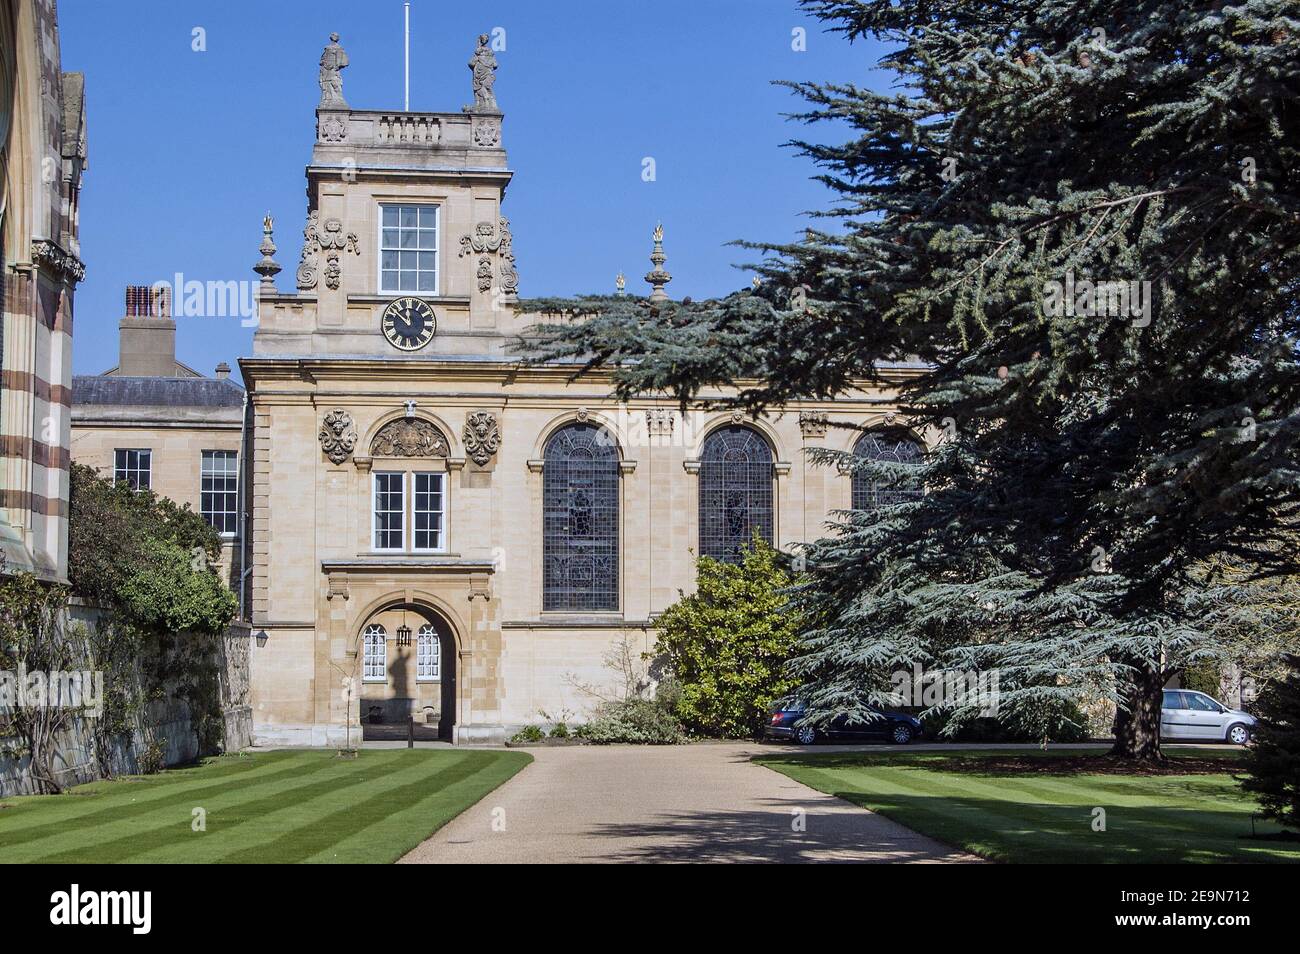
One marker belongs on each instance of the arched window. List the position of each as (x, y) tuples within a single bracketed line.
[(375, 654), (735, 492), (869, 493), (580, 520), (428, 655)]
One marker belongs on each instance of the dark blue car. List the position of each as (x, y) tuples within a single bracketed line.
[(892, 727)]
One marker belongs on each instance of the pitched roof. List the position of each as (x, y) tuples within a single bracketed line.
[(90, 389)]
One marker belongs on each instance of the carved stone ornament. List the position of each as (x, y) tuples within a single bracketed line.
[(813, 423), (482, 436), (409, 437), (660, 420), (486, 239), (486, 131), (331, 239), (582, 415), (509, 275), (55, 259), (332, 129), (338, 435)]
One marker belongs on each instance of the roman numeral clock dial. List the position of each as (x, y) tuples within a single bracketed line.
[(409, 323)]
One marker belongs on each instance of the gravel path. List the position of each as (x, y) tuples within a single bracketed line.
[(667, 803)]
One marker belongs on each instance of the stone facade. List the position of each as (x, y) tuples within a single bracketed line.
[(339, 398), (43, 153)]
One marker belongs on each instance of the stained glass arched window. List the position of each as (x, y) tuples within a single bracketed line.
[(580, 520), (735, 492), (869, 493)]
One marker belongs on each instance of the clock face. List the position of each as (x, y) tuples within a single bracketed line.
[(409, 323)]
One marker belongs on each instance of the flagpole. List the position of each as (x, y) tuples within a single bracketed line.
[(406, 79)]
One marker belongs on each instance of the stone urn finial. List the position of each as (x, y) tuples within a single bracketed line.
[(657, 277), (267, 267)]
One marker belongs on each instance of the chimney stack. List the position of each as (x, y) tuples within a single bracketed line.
[(147, 334), (223, 371)]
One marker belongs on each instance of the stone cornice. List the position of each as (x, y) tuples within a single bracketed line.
[(361, 367), (53, 258)]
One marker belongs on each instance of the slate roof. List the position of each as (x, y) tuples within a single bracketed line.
[(121, 391)]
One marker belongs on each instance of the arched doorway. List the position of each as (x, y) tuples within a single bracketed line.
[(407, 661)]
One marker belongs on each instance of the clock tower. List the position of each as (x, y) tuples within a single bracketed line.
[(405, 251)]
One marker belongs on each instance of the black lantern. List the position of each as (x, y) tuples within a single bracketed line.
[(261, 637), (403, 635)]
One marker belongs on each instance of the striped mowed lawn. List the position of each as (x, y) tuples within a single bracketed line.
[(269, 807), (1046, 816)]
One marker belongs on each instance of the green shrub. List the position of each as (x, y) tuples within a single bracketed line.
[(528, 734), (152, 758), (1206, 677), (638, 721), (1273, 762), (560, 731), (726, 644)]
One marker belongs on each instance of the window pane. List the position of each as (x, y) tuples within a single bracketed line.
[(219, 484), (870, 491), (427, 511), (580, 497), (389, 511), (375, 659), (428, 658), (735, 492), (408, 228)]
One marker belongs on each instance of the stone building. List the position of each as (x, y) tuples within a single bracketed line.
[(440, 531), (43, 156), (156, 423)]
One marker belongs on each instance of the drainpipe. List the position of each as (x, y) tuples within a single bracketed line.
[(245, 470)]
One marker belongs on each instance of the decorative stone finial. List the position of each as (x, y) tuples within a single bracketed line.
[(620, 285), (332, 63), (268, 268), (483, 67), (657, 277)]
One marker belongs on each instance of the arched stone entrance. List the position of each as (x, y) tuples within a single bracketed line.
[(406, 661)]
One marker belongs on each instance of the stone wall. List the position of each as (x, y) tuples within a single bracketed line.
[(165, 724)]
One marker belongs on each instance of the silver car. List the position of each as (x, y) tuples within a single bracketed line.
[(1187, 714)]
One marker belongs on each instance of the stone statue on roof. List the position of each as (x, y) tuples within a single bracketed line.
[(332, 63), (483, 66)]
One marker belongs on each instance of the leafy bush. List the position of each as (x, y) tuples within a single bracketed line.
[(149, 563), (528, 734), (727, 643), (152, 759), (1273, 762), (560, 731), (637, 721)]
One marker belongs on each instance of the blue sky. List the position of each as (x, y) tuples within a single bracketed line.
[(188, 150)]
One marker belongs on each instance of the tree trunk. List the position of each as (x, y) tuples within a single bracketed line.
[(1137, 718)]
